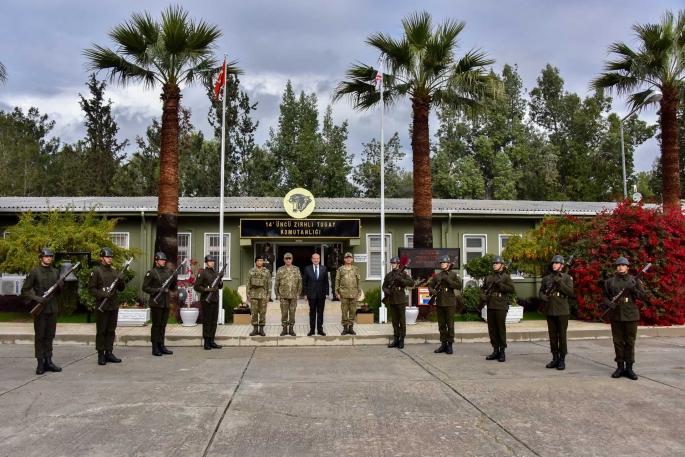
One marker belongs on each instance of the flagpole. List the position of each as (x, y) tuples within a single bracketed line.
[(383, 312), (221, 194)]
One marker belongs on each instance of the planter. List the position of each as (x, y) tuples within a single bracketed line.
[(411, 313), (189, 316), (514, 315), (365, 318), (132, 317)]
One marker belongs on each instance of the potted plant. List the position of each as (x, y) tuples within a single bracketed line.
[(132, 310), (191, 311)]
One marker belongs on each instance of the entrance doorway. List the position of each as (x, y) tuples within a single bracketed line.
[(302, 254)]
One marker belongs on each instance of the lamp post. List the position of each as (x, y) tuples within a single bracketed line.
[(654, 97)]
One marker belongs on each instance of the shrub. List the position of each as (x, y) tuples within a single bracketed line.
[(67, 300), (481, 267), (129, 296), (373, 299), (471, 298), (231, 300)]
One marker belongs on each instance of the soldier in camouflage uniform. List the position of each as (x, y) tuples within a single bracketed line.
[(288, 287), (498, 307), (210, 310), (348, 290), (152, 285), (100, 279), (557, 311), (258, 293), (37, 282)]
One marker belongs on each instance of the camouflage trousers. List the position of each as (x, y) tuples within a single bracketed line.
[(258, 309), (288, 308), (349, 310)]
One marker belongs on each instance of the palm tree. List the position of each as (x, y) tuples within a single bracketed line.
[(3, 74), (172, 52), (659, 62), (422, 65)]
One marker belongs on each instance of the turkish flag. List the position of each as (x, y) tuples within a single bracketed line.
[(221, 81)]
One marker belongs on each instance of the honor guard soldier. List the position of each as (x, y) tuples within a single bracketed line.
[(334, 261), (37, 282), (557, 310), (258, 293), (497, 307), (288, 287), (101, 278), (210, 309), (393, 288), (348, 289), (152, 285), (625, 317), (443, 286)]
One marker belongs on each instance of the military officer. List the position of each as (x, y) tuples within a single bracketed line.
[(152, 285), (393, 288), (288, 287), (497, 307), (443, 285), (625, 317), (334, 261), (557, 310), (101, 278), (210, 309), (348, 289), (258, 293), (37, 282)]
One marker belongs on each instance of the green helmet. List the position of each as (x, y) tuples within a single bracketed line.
[(160, 256), (622, 261), (445, 259), (557, 259), (498, 259), (106, 252), (46, 252)]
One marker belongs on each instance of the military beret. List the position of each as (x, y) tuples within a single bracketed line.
[(348, 254), (288, 255), (259, 257)]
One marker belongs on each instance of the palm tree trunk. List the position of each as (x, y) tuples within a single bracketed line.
[(670, 159), (423, 190), (167, 203)]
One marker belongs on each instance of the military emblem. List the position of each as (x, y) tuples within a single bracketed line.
[(299, 203)]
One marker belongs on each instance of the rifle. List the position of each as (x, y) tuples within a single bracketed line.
[(215, 283), (114, 284), (606, 315), (434, 296), (404, 261), (552, 287), (39, 306), (491, 289), (173, 276)]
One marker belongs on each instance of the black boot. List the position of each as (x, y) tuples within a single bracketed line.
[(101, 357), (111, 357), (502, 357), (441, 349), (620, 370), (49, 366), (344, 332), (255, 331), (350, 331), (261, 331), (213, 345), (291, 331), (207, 346), (321, 332), (401, 343), (494, 355), (449, 348), (285, 331), (630, 374), (395, 343), (562, 362), (554, 362), (155, 350), (40, 369), (164, 350)]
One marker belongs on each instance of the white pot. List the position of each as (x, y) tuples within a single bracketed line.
[(514, 315), (411, 313), (131, 317), (189, 316)]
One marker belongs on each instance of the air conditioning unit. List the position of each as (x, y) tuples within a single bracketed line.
[(11, 286)]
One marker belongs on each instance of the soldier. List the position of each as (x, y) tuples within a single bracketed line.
[(101, 278), (288, 287), (152, 285), (625, 317), (210, 310), (269, 261), (393, 287), (497, 307), (37, 282), (557, 311), (334, 261), (348, 290), (447, 281), (258, 291)]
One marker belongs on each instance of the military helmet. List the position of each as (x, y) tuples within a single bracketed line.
[(498, 259), (445, 259), (622, 261), (160, 256), (209, 258), (46, 252), (106, 252), (395, 260), (557, 259)]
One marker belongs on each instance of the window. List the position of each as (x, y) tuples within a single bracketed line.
[(373, 250), (119, 239), (408, 241), (474, 247), (503, 241), (212, 248), (184, 252)]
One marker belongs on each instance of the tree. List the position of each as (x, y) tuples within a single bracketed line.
[(140, 176), (172, 52), (658, 62), (422, 65), (368, 173)]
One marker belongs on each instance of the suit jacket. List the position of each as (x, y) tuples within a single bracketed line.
[(313, 288)]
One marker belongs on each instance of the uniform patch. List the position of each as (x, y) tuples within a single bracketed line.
[(148, 274), (91, 273)]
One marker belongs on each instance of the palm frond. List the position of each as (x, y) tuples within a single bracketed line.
[(418, 28), (3, 74), (119, 70)]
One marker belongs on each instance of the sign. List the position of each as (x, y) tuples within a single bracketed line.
[(299, 203), (429, 257), (360, 258), (424, 296), (307, 228)]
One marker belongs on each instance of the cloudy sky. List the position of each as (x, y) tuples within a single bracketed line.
[(309, 42)]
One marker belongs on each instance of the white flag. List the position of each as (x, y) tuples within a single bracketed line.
[(379, 76)]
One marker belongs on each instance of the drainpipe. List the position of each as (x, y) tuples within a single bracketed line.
[(143, 237), (449, 226)]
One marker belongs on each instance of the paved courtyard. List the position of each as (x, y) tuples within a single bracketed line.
[(333, 401)]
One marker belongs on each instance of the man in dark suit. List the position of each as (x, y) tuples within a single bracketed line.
[(315, 290)]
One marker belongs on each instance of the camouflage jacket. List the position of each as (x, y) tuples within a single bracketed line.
[(288, 282), (258, 283), (348, 283)]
